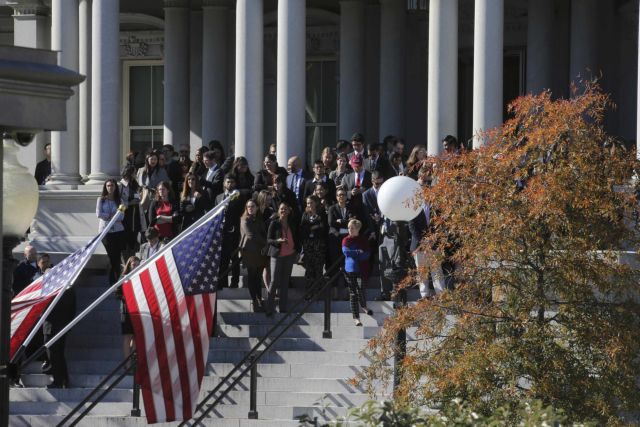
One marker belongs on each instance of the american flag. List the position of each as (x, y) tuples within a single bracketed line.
[(28, 305), (171, 302)]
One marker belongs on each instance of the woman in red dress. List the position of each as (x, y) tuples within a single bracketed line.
[(164, 212)]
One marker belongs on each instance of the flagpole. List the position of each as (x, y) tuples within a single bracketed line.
[(208, 216), (117, 217)]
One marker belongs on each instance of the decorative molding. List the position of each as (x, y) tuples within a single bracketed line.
[(29, 8), (141, 44), (135, 47)]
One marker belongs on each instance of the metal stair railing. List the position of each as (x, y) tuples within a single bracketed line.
[(254, 355)]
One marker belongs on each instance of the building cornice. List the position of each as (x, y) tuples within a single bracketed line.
[(29, 8)]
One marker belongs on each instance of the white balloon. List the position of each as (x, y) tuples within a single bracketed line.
[(19, 193), (396, 198)]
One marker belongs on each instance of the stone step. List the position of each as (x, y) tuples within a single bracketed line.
[(278, 406), (111, 306), (231, 343), (85, 383), (35, 400), (110, 322), (112, 358), (98, 369)]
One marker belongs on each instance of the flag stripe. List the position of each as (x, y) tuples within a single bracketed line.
[(158, 339), (185, 328), (196, 326), (176, 338), (147, 344), (172, 376)]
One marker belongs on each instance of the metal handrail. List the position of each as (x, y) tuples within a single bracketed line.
[(254, 355), (97, 389)]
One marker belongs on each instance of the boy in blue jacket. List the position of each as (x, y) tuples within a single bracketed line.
[(356, 250)]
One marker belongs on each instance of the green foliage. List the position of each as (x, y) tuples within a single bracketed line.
[(545, 309)]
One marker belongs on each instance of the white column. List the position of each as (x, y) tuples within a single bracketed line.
[(105, 91), (540, 42), (195, 81), (351, 68), (84, 89), (64, 145), (584, 39), (176, 72), (442, 91), (487, 66), (249, 81), (214, 71), (392, 67), (31, 28), (291, 80)]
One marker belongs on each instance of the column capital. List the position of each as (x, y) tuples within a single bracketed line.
[(216, 3), (176, 3), (29, 8)]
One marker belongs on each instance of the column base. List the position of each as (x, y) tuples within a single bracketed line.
[(59, 180), (98, 178)]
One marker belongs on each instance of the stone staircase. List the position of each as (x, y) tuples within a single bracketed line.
[(302, 373)]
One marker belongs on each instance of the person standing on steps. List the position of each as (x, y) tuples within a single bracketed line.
[(356, 251)]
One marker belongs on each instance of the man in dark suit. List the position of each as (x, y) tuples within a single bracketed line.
[(230, 234), (212, 177), (357, 143), (374, 216), (43, 168), (296, 180), (174, 170), (26, 271), (319, 175), (377, 161), (358, 181)]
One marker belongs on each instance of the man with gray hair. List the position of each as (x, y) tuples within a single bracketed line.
[(26, 270)]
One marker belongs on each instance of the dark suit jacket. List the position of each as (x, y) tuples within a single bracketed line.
[(275, 233), (418, 227), (264, 178), (201, 205), (338, 221), (233, 213), (349, 182), (310, 186), (213, 186), (381, 164), (300, 196), (23, 276)]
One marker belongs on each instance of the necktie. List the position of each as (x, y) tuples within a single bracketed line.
[(357, 179)]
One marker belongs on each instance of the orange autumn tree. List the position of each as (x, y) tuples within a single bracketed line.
[(545, 306)]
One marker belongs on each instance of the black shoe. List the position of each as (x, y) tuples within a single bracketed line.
[(383, 297), (369, 312)]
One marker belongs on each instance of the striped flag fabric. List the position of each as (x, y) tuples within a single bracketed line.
[(30, 304), (171, 301)]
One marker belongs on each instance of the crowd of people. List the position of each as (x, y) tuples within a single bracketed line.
[(283, 216)]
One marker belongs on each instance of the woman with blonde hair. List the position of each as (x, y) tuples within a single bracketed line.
[(414, 162)]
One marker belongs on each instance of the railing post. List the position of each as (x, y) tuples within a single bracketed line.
[(327, 313), (400, 349), (135, 409), (253, 386)]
